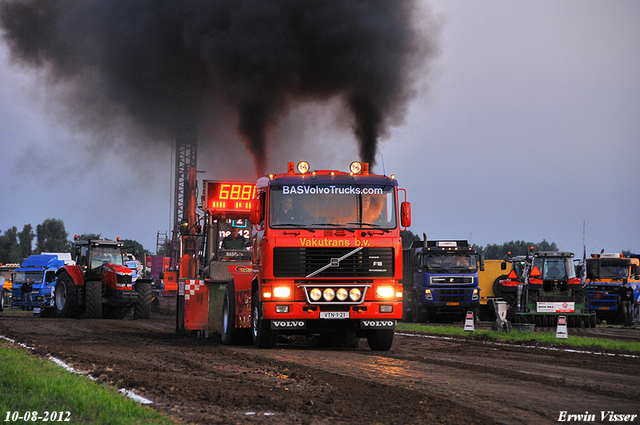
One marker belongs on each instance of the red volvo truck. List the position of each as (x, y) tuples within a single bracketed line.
[(326, 259)]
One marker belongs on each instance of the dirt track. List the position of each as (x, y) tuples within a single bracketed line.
[(421, 379)]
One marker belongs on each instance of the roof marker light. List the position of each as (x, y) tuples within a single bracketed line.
[(355, 167), (303, 167)]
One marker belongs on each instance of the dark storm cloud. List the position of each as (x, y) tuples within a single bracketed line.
[(163, 63)]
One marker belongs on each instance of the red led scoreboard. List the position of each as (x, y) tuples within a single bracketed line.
[(228, 198)]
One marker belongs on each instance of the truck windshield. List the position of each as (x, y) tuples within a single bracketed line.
[(447, 263), (35, 277), (609, 269), (332, 206), (555, 268)]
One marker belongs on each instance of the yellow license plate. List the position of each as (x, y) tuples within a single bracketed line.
[(453, 303)]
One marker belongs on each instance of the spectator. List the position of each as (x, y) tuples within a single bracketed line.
[(26, 290), (234, 241), (637, 308), (625, 299)]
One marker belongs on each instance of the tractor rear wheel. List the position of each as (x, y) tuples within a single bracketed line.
[(65, 297), (496, 285), (230, 334)]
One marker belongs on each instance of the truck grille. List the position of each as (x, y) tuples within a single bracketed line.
[(452, 295), (302, 262), (451, 280)]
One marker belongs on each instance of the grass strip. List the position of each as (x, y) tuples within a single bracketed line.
[(525, 336), (30, 384)]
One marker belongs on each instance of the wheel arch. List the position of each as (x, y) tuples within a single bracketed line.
[(74, 272)]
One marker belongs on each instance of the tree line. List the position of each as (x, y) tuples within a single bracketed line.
[(50, 236), (494, 251)]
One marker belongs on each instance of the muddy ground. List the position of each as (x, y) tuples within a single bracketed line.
[(422, 379)]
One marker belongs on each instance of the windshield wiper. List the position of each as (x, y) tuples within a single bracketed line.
[(375, 226), (334, 226), (295, 225)]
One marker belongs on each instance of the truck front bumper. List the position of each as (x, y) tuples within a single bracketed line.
[(295, 316)]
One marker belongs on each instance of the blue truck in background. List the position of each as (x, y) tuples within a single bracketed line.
[(41, 270), (440, 280), (606, 273)]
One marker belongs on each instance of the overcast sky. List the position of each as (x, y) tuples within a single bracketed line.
[(526, 126)]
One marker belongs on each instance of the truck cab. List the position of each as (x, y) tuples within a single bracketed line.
[(40, 270), (605, 274), (441, 279), (326, 258), (6, 283)]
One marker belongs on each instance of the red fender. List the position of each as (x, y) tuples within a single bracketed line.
[(75, 273)]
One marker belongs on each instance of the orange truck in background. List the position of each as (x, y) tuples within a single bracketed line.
[(326, 259), (6, 279)]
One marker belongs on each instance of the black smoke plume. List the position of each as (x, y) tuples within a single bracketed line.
[(161, 62)]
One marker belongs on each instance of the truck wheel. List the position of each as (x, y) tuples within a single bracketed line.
[(2, 294), (380, 340), (142, 309), (417, 316), (263, 335), (94, 300), (406, 310), (65, 297)]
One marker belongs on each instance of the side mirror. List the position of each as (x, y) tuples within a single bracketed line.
[(405, 214), (257, 213), (481, 262)]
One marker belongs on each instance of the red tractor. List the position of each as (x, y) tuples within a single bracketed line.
[(100, 285)]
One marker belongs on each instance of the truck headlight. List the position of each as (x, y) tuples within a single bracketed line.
[(315, 294), (427, 294), (342, 294), (281, 292), (385, 291), (355, 294), (328, 294)]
